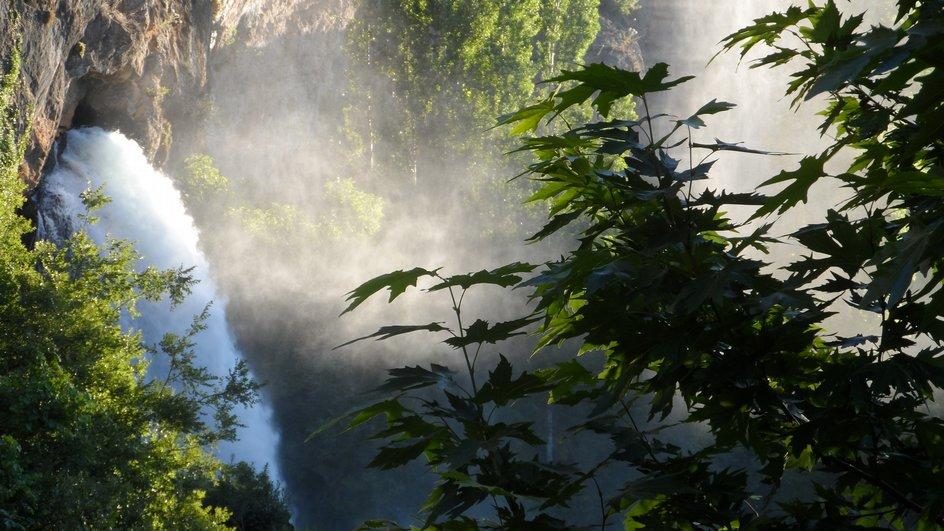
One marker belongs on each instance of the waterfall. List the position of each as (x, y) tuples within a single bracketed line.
[(147, 210), (686, 34)]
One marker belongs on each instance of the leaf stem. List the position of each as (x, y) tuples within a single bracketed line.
[(457, 308)]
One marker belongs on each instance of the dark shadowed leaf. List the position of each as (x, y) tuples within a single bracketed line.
[(394, 456), (502, 388), (392, 408), (801, 179), (481, 332), (720, 145), (387, 332), (504, 276), (712, 107), (408, 378), (396, 282), (557, 222)]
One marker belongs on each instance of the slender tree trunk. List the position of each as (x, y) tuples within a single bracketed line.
[(370, 109), (550, 449), (414, 149)]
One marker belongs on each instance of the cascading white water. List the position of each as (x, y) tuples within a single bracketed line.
[(147, 210), (687, 35)]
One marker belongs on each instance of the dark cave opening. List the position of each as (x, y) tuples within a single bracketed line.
[(84, 116)]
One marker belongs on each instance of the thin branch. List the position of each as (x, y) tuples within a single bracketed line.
[(465, 352), (885, 486), (642, 437), (603, 514)]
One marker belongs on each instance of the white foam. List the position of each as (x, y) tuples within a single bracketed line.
[(147, 210)]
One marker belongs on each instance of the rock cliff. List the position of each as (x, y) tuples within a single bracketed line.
[(121, 64)]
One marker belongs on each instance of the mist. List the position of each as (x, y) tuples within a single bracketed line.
[(280, 141), (277, 112)]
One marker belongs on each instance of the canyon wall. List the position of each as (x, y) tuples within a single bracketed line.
[(134, 65)]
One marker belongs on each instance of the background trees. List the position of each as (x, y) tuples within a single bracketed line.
[(694, 328), (425, 81), (254, 501), (425, 72)]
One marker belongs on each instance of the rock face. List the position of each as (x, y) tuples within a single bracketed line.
[(617, 44), (130, 65)]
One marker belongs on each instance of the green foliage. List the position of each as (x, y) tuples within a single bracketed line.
[(203, 180), (78, 440), (426, 80), (91, 440), (347, 210), (625, 7), (348, 213), (350, 210), (271, 223), (569, 27), (254, 501), (484, 47), (187, 392), (691, 322)]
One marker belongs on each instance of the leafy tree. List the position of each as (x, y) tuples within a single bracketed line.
[(426, 80), (347, 210), (694, 327), (255, 503), (203, 180)]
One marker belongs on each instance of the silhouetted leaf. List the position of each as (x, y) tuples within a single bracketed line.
[(811, 169), (501, 388), (720, 145), (694, 174), (612, 83), (394, 456), (712, 107), (396, 282), (557, 222), (391, 408), (481, 332), (387, 332), (504, 276), (409, 378)]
